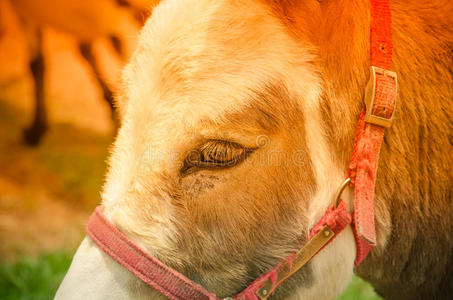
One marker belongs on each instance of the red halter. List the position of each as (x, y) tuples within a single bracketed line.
[(380, 100), (376, 116)]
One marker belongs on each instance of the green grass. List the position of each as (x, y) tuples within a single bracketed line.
[(33, 278), (38, 279), (359, 290)]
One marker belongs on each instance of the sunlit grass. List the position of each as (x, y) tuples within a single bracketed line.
[(359, 290), (33, 278)]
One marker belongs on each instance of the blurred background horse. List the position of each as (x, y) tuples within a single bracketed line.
[(87, 22)]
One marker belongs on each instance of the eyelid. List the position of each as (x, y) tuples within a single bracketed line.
[(244, 138), (209, 154)]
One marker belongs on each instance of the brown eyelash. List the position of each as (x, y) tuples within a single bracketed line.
[(216, 154)]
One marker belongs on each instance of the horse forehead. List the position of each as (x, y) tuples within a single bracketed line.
[(203, 36), (209, 55), (182, 20)]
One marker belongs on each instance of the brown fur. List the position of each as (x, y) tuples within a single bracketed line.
[(414, 192), (267, 216)]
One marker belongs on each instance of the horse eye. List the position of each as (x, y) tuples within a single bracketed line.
[(216, 154)]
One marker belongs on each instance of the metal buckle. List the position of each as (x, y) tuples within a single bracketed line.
[(288, 267), (370, 94), (340, 191)]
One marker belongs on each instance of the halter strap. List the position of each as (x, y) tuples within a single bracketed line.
[(166, 280), (380, 99), (176, 286)]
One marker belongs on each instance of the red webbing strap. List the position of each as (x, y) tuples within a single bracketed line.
[(335, 218), (369, 137), (164, 279), (381, 34), (362, 172), (175, 285)]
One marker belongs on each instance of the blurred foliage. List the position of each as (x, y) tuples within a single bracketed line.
[(78, 163), (70, 161), (359, 290), (46, 192), (33, 278)]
